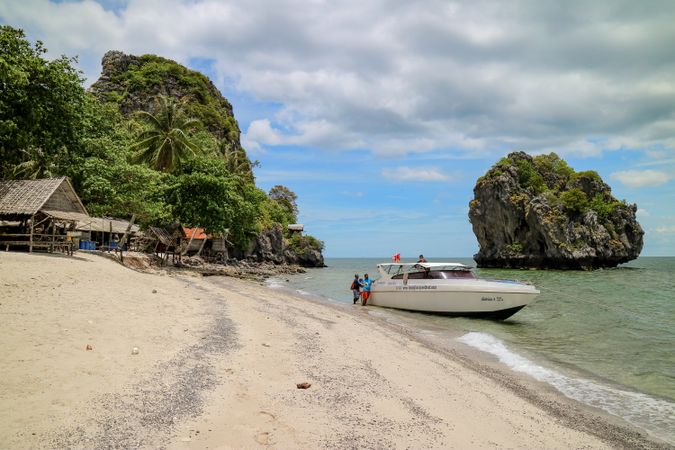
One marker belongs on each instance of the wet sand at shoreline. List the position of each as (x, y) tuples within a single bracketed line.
[(218, 362)]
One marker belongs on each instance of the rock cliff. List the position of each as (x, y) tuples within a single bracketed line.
[(271, 246), (133, 82), (538, 212)]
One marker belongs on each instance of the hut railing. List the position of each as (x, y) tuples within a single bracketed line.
[(49, 241)]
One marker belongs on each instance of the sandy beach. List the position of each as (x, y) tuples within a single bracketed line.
[(217, 364)]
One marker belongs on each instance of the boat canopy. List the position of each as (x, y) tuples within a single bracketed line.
[(390, 269)]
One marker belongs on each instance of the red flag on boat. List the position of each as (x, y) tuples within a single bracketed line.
[(396, 258)]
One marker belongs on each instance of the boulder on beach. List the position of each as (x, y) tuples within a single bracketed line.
[(538, 212)]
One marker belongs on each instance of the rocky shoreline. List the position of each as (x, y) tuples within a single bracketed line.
[(242, 269)]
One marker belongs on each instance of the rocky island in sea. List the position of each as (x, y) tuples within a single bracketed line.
[(538, 212)]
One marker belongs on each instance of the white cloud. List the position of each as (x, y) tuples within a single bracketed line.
[(405, 173), (659, 162), (642, 213), (286, 176), (666, 229), (480, 77), (261, 132), (656, 154), (641, 178)]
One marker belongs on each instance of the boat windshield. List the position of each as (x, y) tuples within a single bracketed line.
[(443, 271), (436, 275)]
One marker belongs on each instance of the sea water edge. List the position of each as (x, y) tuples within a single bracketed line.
[(603, 338)]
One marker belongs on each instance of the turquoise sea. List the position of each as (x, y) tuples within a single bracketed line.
[(605, 338)]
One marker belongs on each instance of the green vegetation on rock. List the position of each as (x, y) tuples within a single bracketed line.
[(133, 81), (550, 176), (300, 244)]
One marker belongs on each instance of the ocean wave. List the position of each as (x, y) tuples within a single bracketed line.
[(274, 283), (655, 415)]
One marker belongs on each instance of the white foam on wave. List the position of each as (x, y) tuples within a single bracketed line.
[(274, 283), (653, 414)]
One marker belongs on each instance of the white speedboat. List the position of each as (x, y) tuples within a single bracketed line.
[(448, 288)]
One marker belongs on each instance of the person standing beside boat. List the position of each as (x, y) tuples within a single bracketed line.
[(356, 288), (367, 283), (422, 259)]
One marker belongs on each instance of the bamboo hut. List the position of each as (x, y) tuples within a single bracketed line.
[(196, 239), (39, 214), (219, 247), (105, 232), (296, 227), (167, 241)]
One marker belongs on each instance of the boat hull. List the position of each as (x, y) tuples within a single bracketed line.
[(476, 298)]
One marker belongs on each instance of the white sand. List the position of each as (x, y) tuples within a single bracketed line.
[(218, 364)]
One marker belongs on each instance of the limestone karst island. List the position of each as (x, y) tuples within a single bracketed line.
[(538, 212), (326, 225)]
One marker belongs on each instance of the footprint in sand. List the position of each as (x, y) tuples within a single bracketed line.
[(268, 414), (263, 438)]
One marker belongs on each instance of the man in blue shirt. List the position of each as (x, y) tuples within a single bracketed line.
[(367, 282)]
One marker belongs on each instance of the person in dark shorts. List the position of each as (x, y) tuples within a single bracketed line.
[(356, 288)]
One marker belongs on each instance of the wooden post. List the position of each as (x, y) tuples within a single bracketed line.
[(30, 244), (185, 250), (123, 241), (69, 238), (110, 237), (51, 247), (201, 247)]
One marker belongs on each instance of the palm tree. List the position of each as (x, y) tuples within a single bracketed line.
[(36, 164), (237, 161), (165, 143)]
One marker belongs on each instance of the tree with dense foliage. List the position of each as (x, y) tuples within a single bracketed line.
[(41, 108), (166, 143), (286, 199), (205, 194)]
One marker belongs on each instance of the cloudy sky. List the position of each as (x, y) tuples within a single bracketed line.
[(382, 114)]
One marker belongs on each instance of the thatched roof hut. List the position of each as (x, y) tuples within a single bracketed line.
[(53, 196), (106, 225), (39, 213), (296, 227)]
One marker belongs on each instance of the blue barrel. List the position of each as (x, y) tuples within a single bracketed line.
[(83, 245)]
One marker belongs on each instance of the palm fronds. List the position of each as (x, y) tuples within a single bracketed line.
[(165, 144)]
